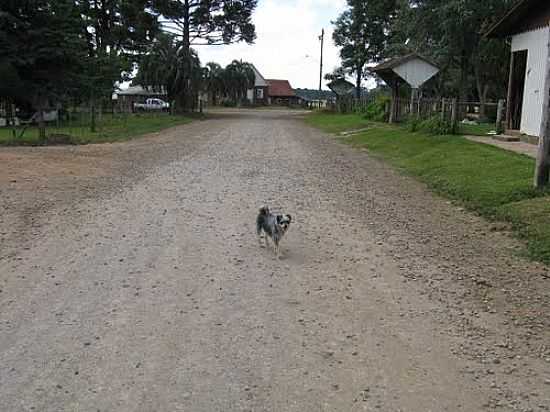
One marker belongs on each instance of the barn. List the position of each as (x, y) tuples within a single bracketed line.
[(527, 24)]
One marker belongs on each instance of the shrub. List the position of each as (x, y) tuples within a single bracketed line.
[(229, 103), (432, 125), (376, 110)]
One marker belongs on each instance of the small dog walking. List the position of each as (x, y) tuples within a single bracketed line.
[(274, 227)]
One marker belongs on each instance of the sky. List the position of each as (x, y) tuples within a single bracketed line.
[(287, 44)]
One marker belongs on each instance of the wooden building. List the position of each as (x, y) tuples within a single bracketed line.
[(527, 24)]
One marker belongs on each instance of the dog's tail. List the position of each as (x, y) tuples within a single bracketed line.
[(264, 211)]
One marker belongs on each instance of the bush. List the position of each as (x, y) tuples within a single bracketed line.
[(376, 110), (229, 103), (432, 125)]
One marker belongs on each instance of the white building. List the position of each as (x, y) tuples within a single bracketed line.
[(527, 24)]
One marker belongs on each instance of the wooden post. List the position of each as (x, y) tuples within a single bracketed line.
[(542, 168), (393, 105), (500, 109), (454, 115), (413, 98), (443, 102), (509, 96)]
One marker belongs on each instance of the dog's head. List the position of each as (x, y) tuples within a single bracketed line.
[(284, 221)]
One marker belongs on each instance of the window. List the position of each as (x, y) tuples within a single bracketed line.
[(259, 93)]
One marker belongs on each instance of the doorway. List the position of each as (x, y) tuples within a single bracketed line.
[(519, 68)]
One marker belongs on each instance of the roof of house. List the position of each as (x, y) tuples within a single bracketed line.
[(280, 88), (398, 61), (523, 16), (390, 69), (341, 87)]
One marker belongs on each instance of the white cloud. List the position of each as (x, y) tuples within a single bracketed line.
[(287, 31)]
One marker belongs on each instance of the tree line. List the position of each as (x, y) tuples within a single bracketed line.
[(79, 50), (448, 32)]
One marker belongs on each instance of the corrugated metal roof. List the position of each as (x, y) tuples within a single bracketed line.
[(511, 22)]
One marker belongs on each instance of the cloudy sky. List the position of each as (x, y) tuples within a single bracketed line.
[(287, 33)]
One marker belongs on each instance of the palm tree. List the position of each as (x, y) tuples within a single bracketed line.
[(238, 78), (214, 80), (167, 67)]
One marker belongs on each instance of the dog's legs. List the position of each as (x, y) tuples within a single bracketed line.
[(266, 241), (260, 240), (277, 250)]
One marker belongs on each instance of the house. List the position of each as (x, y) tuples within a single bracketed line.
[(123, 100), (527, 24), (258, 95), (280, 92)]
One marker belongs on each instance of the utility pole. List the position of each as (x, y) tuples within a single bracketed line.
[(322, 38)]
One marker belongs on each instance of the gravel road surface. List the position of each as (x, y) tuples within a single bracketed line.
[(131, 280)]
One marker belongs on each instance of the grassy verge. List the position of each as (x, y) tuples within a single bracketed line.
[(480, 129), (488, 180), (334, 123), (109, 129)]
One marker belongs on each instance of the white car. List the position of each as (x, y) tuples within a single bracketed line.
[(152, 105)]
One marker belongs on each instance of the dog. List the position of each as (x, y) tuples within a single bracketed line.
[(274, 227)]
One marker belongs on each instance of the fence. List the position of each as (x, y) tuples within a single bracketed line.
[(447, 109)]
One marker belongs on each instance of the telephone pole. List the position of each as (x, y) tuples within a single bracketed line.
[(322, 38)]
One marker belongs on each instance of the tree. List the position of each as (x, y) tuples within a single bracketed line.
[(337, 74), (116, 31), (168, 67), (214, 80), (238, 77), (200, 22), (41, 50), (361, 33), (451, 33)]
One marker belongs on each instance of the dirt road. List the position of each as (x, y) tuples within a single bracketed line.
[(131, 280)]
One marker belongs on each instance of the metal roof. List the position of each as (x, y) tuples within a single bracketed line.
[(511, 21)]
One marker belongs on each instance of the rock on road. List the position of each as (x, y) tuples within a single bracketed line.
[(153, 294)]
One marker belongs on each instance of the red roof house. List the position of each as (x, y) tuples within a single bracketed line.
[(280, 92)]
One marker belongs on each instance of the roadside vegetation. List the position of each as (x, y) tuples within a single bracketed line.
[(493, 182), (109, 129)]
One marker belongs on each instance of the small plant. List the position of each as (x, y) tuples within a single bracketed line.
[(376, 110), (434, 125)]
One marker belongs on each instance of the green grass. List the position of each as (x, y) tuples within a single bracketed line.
[(493, 182), (480, 129), (109, 129), (334, 123)]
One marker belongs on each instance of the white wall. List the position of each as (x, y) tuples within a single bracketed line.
[(416, 72), (536, 44)]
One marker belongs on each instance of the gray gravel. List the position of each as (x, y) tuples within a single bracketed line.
[(148, 292)]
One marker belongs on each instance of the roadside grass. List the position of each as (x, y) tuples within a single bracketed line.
[(480, 129), (111, 128), (493, 182), (334, 123)]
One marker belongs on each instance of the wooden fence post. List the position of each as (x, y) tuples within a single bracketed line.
[(500, 110), (443, 109), (454, 115), (542, 168)]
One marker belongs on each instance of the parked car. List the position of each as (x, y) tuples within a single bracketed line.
[(152, 105)]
